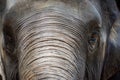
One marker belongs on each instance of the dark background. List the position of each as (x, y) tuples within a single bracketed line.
[(118, 3)]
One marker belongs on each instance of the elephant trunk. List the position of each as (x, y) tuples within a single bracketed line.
[(51, 47)]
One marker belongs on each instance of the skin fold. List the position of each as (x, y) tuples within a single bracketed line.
[(60, 39), (2, 75)]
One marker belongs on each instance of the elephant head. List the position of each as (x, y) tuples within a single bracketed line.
[(59, 39)]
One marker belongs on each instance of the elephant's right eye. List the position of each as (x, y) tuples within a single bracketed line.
[(93, 41)]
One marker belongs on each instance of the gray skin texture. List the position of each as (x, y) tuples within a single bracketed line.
[(2, 8), (61, 39)]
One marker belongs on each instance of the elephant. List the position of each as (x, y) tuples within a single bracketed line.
[(115, 77), (60, 39)]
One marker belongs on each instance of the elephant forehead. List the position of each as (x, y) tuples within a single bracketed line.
[(83, 9), (43, 3), (79, 9)]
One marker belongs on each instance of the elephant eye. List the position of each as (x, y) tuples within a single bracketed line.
[(93, 41)]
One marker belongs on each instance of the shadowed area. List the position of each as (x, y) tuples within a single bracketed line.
[(118, 3), (115, 77)]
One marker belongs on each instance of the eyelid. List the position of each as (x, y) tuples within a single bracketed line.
[(93, 39), (93, 25), (95, 32)]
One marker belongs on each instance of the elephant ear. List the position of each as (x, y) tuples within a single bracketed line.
[(112, 60)]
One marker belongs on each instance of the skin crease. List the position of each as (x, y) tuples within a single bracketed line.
[(2, 7), (48, 39), (2, 77)]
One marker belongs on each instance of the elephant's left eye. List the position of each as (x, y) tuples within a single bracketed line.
[(93, 41)]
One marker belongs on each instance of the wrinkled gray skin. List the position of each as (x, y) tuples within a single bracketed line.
[(61, 39)]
